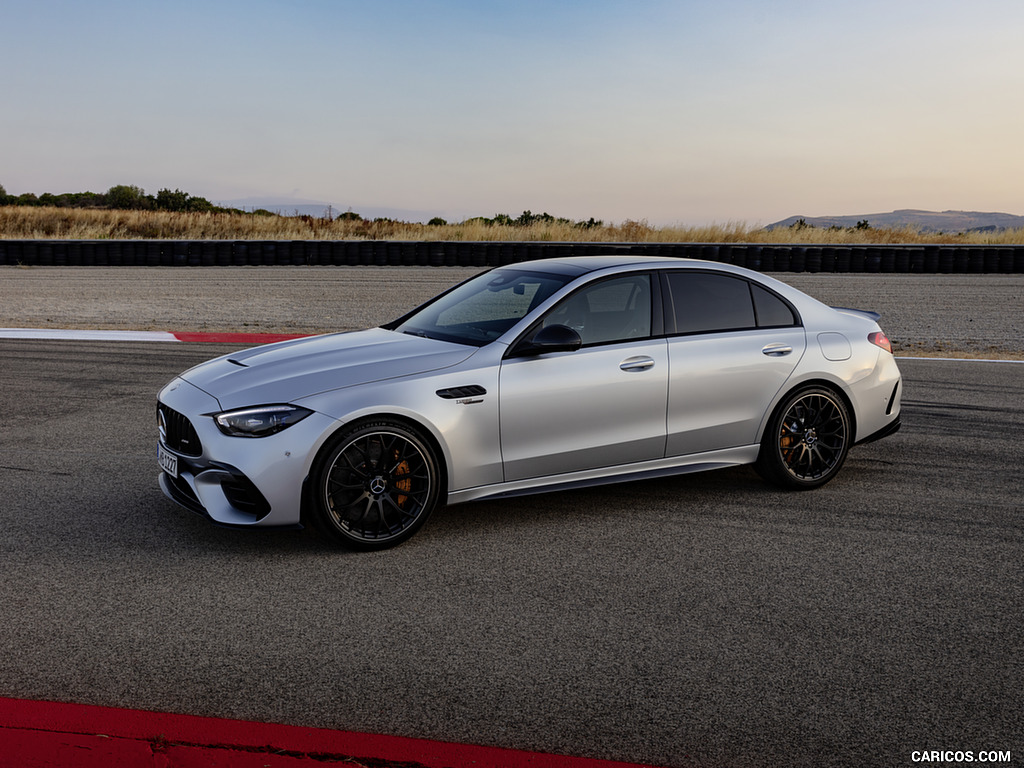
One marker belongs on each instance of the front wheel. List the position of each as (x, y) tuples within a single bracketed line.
[(806, 440), (374, 485)]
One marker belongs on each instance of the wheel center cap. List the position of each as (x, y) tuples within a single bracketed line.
[(378, 485), (810, 437)]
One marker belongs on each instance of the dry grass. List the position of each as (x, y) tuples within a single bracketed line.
[(17, 222)]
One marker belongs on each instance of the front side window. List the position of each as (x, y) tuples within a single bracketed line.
[(608, 311)]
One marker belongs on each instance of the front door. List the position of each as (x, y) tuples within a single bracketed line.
[(601, 405)]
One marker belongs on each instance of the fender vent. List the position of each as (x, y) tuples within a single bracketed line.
[(457, 393)]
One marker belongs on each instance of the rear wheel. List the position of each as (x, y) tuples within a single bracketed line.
[(374, 485), (807, 439)]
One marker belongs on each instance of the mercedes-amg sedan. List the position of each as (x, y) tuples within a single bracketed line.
[(540, 376)]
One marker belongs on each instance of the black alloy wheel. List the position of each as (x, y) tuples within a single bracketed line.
[(375, 485), (806, 441)]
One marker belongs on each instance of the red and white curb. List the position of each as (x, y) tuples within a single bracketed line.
[(61, 334), (34, 734)]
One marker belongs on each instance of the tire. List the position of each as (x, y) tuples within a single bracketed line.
[(374, 485), (807, 439)]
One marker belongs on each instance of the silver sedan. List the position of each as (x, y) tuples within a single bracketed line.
[(539, 376)]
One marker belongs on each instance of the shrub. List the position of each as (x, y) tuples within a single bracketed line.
[(171, 201), (198, 205), (127, 198)]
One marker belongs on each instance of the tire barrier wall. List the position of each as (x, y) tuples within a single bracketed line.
[(764, 258)]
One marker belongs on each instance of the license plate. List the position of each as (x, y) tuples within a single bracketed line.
[(168, 461)]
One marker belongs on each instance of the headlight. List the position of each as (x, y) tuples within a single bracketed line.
[(261, 421)]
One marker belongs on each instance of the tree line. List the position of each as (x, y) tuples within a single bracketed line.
[(124, 197)]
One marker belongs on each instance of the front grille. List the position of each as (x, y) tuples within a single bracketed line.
[(177, 432)]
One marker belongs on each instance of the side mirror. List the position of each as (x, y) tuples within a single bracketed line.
[(553, 338)]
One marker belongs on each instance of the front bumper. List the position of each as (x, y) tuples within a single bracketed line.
[(238, 481), (235, 499)]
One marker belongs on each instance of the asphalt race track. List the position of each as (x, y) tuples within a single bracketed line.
[(707, 620)]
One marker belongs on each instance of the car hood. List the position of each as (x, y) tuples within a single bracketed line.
[(291, 370)]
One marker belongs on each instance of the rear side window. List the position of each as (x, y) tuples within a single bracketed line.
[(772, 312), (704, 302)]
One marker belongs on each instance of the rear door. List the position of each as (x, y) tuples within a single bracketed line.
[(734, 344)]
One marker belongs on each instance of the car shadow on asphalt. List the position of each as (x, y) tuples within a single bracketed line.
[(151, 523)]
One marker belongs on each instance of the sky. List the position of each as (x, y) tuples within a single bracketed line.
[(678, 112)]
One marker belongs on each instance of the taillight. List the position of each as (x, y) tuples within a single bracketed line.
[(879, 339)]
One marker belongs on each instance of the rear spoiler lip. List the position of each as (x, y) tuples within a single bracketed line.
[(870, 315)]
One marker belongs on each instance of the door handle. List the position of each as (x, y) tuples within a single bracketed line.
[(776, 350), (634, 364)]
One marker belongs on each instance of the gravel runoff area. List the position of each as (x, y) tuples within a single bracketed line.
[(927, 315)]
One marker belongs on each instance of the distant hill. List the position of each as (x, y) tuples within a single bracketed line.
[(926, 221)]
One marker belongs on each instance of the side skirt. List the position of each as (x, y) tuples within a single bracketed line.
[(646, 470)]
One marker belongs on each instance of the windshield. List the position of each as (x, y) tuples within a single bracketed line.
[(483, 308)]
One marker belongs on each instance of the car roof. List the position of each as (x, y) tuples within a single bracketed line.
[(575, 266)]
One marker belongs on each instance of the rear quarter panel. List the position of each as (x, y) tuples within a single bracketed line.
[(867, 378)]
